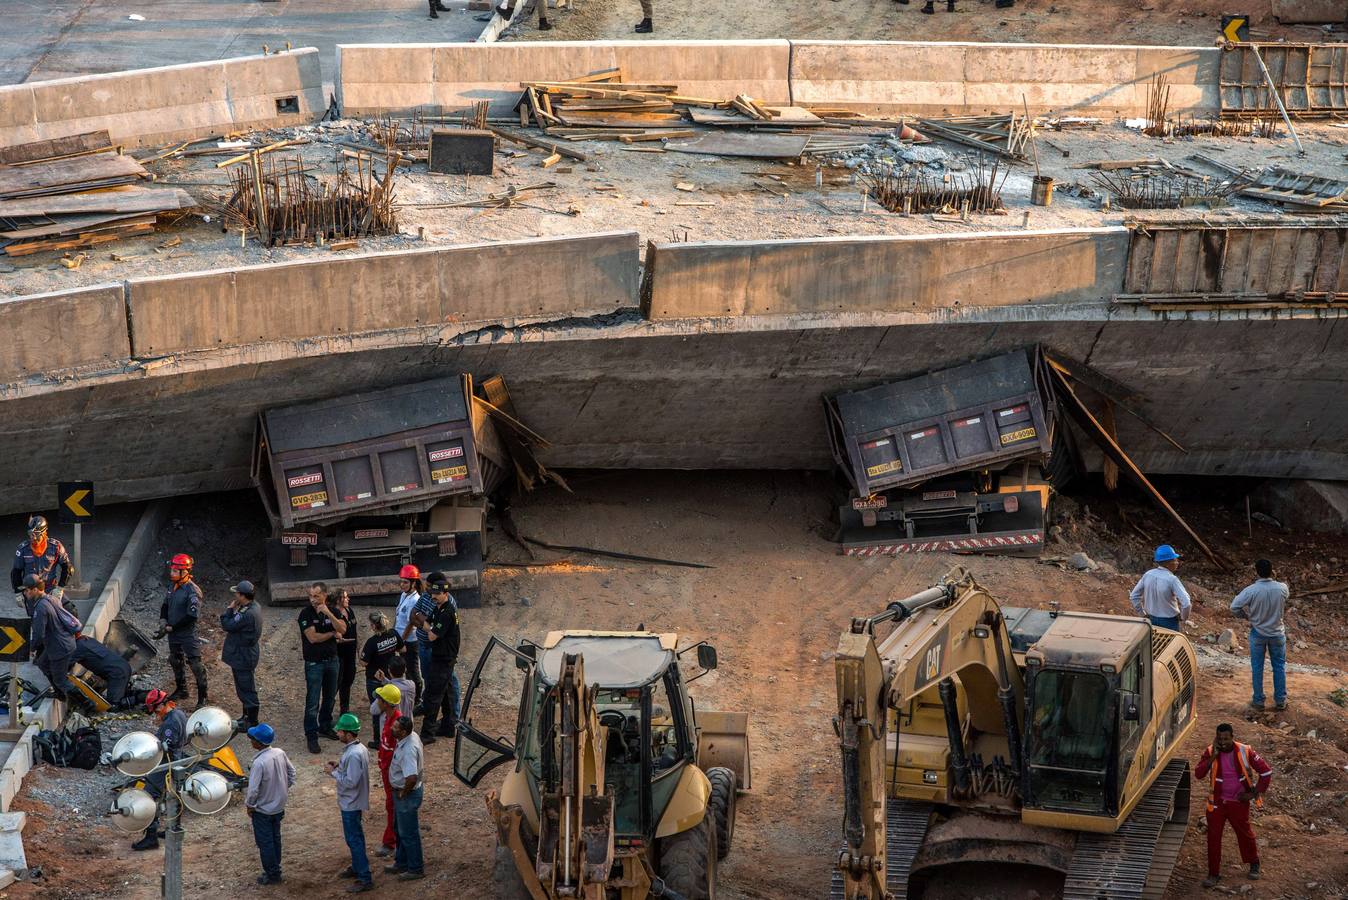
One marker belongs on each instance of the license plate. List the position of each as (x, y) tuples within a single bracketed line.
[(299, 539), (883, 468), (874, 501), (308, 501), (1022, 434), (367, 533), (938, 495)]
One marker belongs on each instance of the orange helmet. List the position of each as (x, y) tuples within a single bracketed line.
[(154, 698), (180, 561), (411, 573)]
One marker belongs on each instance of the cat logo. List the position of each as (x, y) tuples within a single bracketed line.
[(931, 660)]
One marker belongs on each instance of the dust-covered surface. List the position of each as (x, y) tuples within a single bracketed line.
[(773, 604), (1184, 23), (668, 196)]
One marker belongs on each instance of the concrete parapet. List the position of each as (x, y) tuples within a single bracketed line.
[(62, 330), (152, 106), (378, 77), (925, 78), (910, 273), (544, 279)]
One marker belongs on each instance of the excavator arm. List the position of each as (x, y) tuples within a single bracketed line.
[(953, 630)]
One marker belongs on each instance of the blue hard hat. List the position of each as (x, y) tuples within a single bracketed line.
[(262, 733), (1165, 553)]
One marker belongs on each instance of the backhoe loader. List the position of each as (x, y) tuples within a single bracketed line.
[(1040, 739), (620, 790)]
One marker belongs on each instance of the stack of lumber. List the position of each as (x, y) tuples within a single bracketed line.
[(605, 107), (76, 192)]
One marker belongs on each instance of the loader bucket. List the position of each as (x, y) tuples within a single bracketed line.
[(723, 740)]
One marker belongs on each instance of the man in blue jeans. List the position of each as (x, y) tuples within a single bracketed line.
[(1159, 595), (1263, 603), (270, 778), (352, 775), (319, 630), (405, 777)]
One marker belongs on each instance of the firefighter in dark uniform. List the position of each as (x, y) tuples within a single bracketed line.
[(52, 635), (178, 618), (443, 628), (172, 735), (44, 557), (107, 664)]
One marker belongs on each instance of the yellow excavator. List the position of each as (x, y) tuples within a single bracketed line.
[(1041, 742)]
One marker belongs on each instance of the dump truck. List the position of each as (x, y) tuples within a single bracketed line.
[(619, 788), (1040, 741), (359, 485), (949, 461)]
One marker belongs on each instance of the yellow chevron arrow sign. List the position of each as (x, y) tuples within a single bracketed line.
[(72, 503), (1236, 29), (14, 650)]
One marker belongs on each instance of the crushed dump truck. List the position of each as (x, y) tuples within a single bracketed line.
[(620, 789), (948, 461), (973, 733), (360, 485)]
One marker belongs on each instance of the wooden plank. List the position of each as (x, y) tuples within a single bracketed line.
[(785, 115), (124, 200), (41, 176), (757, 144), (68, 225), (62, 146), (550, 146)]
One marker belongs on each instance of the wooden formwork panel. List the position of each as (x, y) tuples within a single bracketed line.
[(1311, 78), (1273, 262)]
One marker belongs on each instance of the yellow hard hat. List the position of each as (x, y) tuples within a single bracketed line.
[(390, 694)]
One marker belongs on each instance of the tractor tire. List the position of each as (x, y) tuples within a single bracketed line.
[(688, 861), (505, 878), (721, 806)]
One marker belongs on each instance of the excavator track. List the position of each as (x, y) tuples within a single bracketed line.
[(905, 828), (1134, 863)]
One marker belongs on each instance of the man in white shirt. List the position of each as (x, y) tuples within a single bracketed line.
[(352, 775), (270, 779), (404, 775), (1159, 595), (410, 581), (1263, 604)]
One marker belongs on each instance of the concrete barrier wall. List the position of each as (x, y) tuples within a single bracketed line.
[(153, 106), (970, 78), (911, 273), (62, 330), (498, 282), (877, 76), (378, 77)]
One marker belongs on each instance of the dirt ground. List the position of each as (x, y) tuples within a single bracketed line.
[(1184, 23), (773, 604)]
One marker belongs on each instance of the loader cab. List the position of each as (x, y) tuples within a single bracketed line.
[(641, 702), (1088, 703)]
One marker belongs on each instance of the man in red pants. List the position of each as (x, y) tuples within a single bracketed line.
[(387, 699), (1238, 775)]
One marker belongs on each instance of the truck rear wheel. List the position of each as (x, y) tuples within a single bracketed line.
[(688, 860), (721, 806)]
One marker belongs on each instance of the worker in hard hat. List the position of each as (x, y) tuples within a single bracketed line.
[(388, 701), (52, 635), (410, 582), (1159, 595), (43, 556), (270, 778), (352, 774), (178, 619), (172, 734)]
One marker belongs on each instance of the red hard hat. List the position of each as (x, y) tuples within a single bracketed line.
[(180, 561), (411, 573), (154, 698)]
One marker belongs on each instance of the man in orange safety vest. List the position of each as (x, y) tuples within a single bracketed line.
[(1238, 775)]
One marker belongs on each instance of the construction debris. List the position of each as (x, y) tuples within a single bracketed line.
[(77, 198), (1292, 189), (899, 190), (1144, 189), (1006, 136), (1158, 123), (283, 205)]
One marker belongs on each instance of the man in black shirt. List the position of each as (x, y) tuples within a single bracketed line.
[(383, 644), (319, 630), (443, 627)]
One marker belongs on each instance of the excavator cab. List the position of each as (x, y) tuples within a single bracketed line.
[(619, 788)]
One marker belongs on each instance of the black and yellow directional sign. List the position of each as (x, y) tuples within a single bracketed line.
[(1236, 29), (74, 502), (14, 640)]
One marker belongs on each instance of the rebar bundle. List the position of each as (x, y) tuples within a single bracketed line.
[(400, 134), (1159, 125), (901, 191), (1164, 190), (279, 201)]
